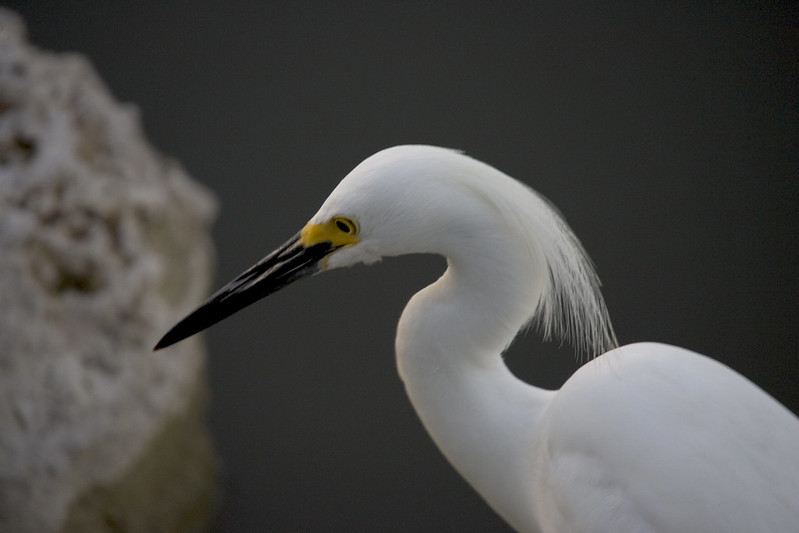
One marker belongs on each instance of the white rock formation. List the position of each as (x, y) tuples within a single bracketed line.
[(104, 244)]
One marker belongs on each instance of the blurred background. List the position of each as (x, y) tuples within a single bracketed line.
[(666, 132)]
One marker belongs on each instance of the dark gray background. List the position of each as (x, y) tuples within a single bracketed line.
[(665, 132)]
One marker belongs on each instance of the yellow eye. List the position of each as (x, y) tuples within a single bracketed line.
[(346, 226), (338, 231)]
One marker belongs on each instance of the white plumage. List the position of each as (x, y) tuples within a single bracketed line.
[(645, 438)]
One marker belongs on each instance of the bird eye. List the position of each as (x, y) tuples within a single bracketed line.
[(345, 225)]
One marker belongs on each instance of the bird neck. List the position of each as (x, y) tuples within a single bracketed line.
[(449, 344)]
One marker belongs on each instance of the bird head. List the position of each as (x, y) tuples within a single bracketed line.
[(388, 205)]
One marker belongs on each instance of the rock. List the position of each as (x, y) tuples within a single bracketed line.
[(104, 245)]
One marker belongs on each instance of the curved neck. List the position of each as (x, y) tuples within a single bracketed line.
[(449, 345)]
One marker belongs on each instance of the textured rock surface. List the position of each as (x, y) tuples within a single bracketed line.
[(104, 244)]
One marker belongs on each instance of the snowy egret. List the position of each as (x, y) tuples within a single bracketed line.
[(645, 438)]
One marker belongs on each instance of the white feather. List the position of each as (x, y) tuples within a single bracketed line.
[(645, 438)]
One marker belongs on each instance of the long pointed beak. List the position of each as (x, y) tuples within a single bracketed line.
[(290, 262)]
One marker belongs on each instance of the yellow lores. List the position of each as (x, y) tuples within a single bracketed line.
[(338, 231)]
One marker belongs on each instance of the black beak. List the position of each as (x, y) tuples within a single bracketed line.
[(290, 262)]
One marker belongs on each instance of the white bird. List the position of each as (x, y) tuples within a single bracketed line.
[(645, 438)]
